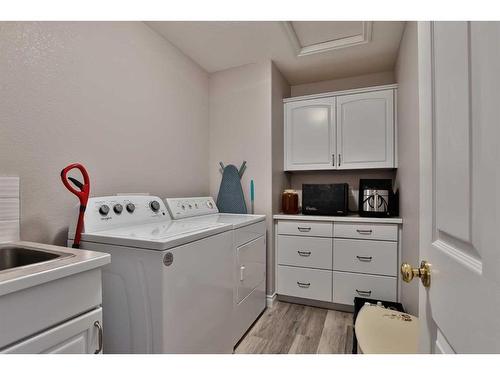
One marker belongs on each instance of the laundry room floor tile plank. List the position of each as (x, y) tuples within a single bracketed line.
[(334, 336), (292, 328)]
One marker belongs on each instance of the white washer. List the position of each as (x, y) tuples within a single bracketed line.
[(249, 251), (169, 287)]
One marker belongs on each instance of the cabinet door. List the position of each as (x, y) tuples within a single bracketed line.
[(80, 335), (310, 134), (365, 130)]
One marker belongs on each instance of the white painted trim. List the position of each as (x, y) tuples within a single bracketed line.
[(341, 92), (425, 154), (363, 38), (275, 254), (270, 299)]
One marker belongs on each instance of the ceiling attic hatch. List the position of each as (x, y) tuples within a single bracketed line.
[(308, 37)]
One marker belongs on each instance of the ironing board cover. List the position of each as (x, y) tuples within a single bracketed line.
[(231, 199)]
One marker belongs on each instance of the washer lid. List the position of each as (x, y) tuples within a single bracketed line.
[(157, 236)]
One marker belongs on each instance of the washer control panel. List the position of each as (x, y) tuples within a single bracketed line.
[(181, 208), (121, 210)]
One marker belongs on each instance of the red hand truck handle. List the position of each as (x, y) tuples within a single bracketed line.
[(82, 194)]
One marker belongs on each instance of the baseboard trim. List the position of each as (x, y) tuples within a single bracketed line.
[(270, 299), (314, 303)]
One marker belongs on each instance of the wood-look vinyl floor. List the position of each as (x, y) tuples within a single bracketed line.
[(298, 329)]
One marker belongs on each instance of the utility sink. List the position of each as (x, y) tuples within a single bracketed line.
[(14, 256)]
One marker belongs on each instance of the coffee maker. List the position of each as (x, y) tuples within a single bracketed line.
[(377, 198)]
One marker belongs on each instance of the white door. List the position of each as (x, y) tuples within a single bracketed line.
[(365, 130), (310, 134), (459, 78)]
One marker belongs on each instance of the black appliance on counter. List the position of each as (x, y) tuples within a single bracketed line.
[(377, 198), (325, 199)]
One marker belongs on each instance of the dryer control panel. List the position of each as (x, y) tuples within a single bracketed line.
[(181, 208)]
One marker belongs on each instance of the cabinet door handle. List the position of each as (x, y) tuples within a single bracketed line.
[(242, 273), (366, 293), (97, 324), (304, 253), (303, 285), (304, 229), (333, 160), (364, 231), (364, 259), (340, 158)]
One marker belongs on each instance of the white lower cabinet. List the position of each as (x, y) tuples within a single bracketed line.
[(365, 256), (347, 285), (355, 259), (305, 283), (312, 252), (81, 335)]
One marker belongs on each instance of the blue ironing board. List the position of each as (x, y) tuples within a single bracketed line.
[(231, 199)]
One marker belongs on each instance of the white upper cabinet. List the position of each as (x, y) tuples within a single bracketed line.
[(365, 130), (344, 130), (310, 134)]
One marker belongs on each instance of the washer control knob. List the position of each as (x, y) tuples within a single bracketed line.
[(155, 206), (118, 208), (183, 207), (130, 207), (210, 204), (104, 210)]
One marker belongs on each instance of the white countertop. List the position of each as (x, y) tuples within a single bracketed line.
[(19, 278), (349, 218)]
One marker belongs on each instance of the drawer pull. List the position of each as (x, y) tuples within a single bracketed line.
[(304, 229), (97, 324), (364, 231), (366, 293), (304, 253), (303, 285), (364, 259)]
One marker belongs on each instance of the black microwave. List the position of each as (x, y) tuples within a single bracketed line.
[(325, 199)]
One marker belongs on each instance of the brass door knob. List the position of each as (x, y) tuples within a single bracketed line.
[(424, 273)]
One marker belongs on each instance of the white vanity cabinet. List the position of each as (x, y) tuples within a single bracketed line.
[(334, 259), (353, 129), (52, 306), (81, 335)]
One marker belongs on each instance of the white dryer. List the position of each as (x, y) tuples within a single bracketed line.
[(249, 251), (169, 287)]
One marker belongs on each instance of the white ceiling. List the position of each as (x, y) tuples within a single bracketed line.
[(218, 45)]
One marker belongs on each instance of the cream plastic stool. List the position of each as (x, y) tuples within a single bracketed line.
[(383, 331)]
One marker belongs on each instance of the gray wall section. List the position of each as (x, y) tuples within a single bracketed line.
[(280, 180), (408, 143), (113, 95), (240, 129)]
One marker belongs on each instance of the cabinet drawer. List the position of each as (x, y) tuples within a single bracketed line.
[(388, 232), (76, 336), (305, 228), (313, 252), (376, 257), (348, 285), (305, 283)]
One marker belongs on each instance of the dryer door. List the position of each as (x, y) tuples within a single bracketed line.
[(251, 266)]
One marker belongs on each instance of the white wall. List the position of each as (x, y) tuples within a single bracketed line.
[(408, 143), (365, 80), (113, 95)]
